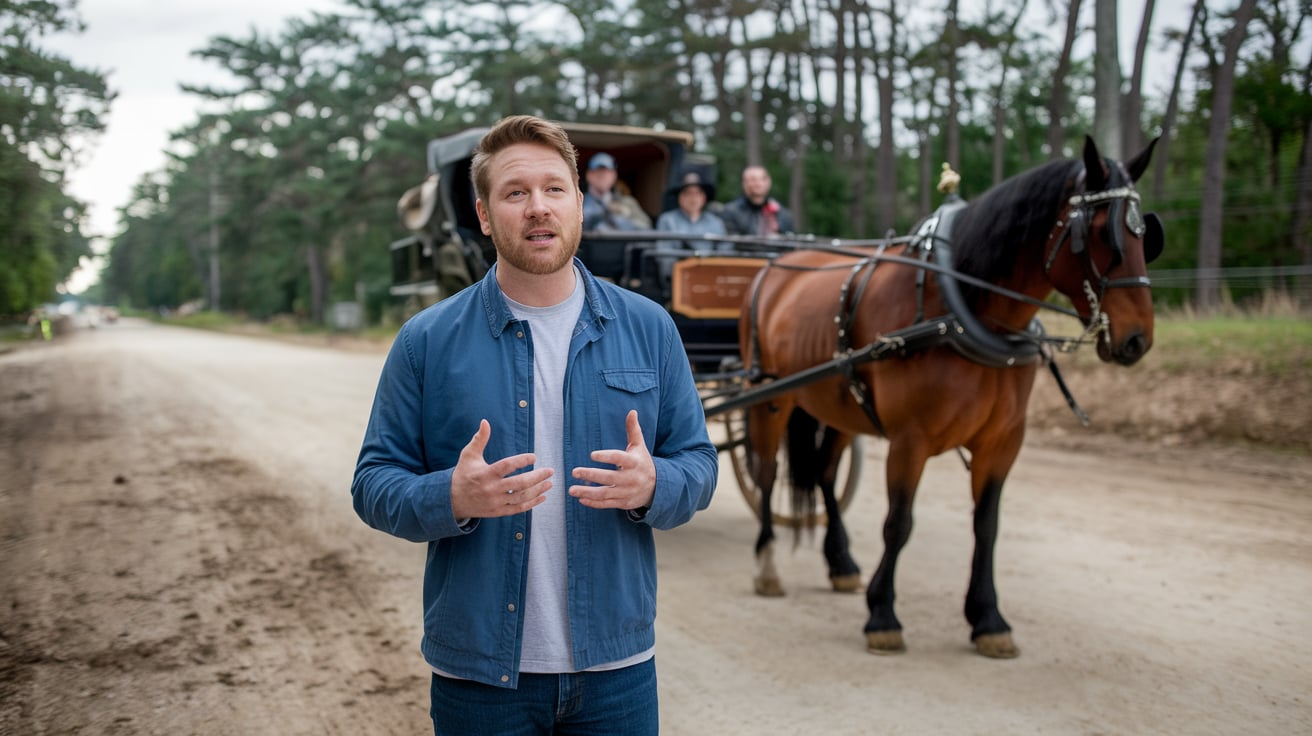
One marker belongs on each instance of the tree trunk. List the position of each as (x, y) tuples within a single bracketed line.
[(1302, 226), (1106, 80), (886, 154), (1302, 221), (1213, 197), (839, 122), (1132, 123), (952, 124), (1008, 38), (318, 283), (1057, 102), (751, 110), (1172, 107), (926, 172), (861, 152)]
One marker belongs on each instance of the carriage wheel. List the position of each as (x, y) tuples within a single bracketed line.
[(849, 474)]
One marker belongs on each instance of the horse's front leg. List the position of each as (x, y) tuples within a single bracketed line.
[(988, 629), (904, 468), (844, 573)]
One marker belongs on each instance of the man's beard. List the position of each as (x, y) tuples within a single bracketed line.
[(514, 252)]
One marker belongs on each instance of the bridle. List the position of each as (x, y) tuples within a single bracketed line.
[(1073, 227)]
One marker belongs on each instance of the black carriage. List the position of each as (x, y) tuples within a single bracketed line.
[(703, 291)]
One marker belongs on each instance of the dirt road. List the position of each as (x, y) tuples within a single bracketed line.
[(178, 555)]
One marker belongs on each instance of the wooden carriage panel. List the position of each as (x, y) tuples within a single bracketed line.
[(713, 287)]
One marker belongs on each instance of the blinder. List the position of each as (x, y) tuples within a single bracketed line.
[(1154, 237)]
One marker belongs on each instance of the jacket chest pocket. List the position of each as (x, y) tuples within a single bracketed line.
[(629, 388)]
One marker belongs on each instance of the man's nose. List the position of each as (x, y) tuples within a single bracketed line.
[(537, 205)]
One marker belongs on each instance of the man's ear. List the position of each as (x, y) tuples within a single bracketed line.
[(484, 223)]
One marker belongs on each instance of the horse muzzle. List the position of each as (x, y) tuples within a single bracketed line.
[(1124, 352)]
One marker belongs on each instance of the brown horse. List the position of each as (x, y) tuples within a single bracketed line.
[(962, 354)]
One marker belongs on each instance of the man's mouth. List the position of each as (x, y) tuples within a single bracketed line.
[(540, 237)]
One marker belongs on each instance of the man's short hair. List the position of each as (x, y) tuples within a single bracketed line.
[(513, 130)]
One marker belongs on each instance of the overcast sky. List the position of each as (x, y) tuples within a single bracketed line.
[(144, 47)]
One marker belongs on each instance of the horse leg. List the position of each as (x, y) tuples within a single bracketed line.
[(844, 573), (765, 425), (904, 467), (988, 629)]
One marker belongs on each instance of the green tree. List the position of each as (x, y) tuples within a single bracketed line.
[(47, 104)]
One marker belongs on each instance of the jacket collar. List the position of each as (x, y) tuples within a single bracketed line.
[(499, 316)]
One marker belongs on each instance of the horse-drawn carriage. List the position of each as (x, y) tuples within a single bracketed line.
[(929, 340), (703, 292)]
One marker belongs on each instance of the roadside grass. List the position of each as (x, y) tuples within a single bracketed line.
[(285, 327), (1232, 341), (1279, 346)]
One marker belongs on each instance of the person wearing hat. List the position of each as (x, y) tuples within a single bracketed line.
[(756, 212), (605, 208), (690, 217)]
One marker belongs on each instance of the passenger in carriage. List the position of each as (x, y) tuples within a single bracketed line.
[(691, 216), (605, 207), (756, 212)]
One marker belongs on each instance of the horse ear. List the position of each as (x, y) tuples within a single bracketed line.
[(1139, 164), (1095, 170)]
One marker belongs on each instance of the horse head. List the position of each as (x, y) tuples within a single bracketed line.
[(1099, 250)]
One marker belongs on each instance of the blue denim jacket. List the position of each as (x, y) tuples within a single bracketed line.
[(467, 358)]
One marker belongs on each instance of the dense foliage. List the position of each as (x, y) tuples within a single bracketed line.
[(46, 103), (280, 198)]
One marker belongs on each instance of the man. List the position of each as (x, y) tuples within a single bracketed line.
[(690, 216), (533, 430), (756, 212), (604, 208)]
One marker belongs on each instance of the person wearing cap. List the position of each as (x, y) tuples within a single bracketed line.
[(605, 208), (756, 212), (690, 217)]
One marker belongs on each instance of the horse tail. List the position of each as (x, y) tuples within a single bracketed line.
[(804, 466)]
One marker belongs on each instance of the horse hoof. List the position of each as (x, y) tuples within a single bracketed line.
[(885, 642), (996, 646), (769, 587), (845, 583)]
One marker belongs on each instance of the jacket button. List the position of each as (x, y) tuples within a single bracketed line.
[(519, 536), (519, 334), (522, 403), (510, 607), (505, 678)]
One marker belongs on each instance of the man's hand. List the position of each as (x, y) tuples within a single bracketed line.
[(630, 485), (480, 490)]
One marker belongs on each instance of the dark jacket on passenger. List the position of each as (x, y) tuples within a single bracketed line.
[(741, 217)]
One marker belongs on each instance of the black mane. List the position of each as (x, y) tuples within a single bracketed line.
[(993, 231)]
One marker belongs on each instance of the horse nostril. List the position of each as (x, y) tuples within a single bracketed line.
[(1132, 349)]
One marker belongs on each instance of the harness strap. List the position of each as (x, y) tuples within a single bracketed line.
[(849, 300)]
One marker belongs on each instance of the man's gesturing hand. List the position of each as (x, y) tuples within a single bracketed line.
[(630, 485), (480, 490)]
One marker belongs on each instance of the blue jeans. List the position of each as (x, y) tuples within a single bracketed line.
[(614, 703)]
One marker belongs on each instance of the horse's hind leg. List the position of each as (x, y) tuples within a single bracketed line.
[(844, 573), (904, 468), (765, 427)]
